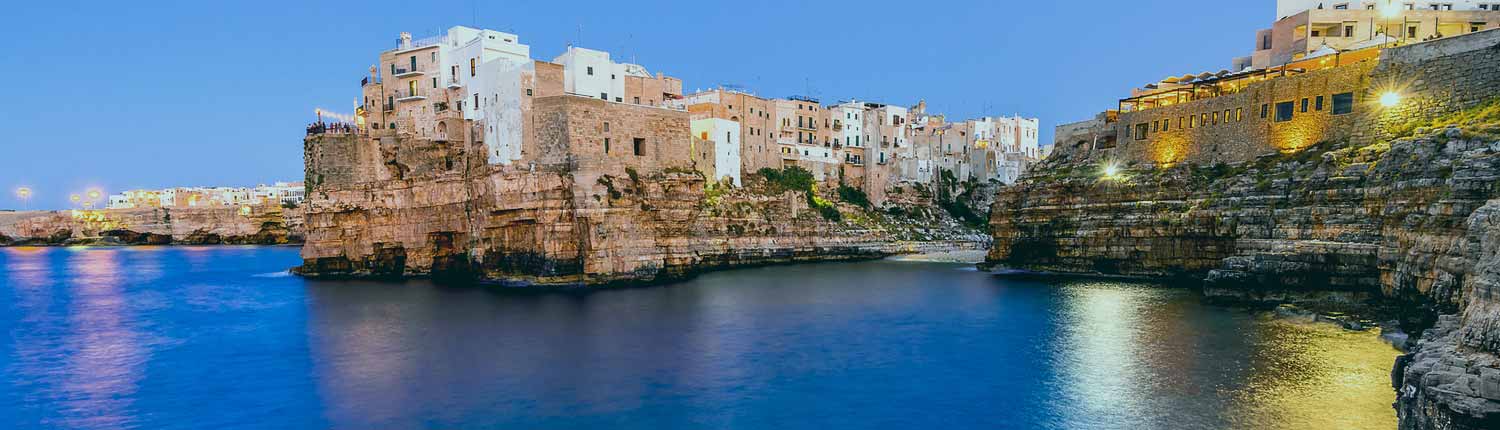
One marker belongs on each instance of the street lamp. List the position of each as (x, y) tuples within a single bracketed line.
[(75, 198), (1390, 99)]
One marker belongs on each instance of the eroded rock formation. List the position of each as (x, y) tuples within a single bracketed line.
[(1407, 223), (257, 225), (565, 224)]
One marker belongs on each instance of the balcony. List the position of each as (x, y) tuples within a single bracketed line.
[(406, 96), (404, 73), (453, 83)]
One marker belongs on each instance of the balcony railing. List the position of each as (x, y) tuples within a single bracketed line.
[(402, 73), (403, 96)]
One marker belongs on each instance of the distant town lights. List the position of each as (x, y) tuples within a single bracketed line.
[(1390, 99)]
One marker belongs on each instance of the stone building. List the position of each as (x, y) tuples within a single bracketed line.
[(1351, 97), (758, 148)]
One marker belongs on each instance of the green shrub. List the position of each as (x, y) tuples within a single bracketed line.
[(854, 196), (790, 178)]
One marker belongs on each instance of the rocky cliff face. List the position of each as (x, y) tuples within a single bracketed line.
[(1398, 223), (258, 225), (566, 224)]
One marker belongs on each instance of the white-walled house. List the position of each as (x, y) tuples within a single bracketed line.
[(725, 135), (488, 65), (590, 73)]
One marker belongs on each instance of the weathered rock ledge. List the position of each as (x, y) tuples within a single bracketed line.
[(1406, 225), (257, 225), (403, 207)]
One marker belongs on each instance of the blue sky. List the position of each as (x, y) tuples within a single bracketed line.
[(121, 95)]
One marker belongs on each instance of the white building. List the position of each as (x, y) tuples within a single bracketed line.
[(488, 65), (725, 135), (1286, 8), (590, 73), (848, 124)]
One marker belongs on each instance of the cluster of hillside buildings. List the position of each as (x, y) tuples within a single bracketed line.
[(279, 193), (1303, 84), (583, 107)]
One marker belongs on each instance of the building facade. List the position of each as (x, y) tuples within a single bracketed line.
[(1305, 28)]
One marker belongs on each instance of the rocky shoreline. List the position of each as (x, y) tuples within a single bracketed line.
[(250, 225), (1405, 225)]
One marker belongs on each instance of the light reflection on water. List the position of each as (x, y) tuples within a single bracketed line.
[(204, 338)]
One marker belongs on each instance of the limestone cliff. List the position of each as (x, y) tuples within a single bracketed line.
[(1401, 215), (445, 213), (258, 225)]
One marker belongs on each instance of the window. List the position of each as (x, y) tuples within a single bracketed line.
[(471, 67), (604, 96), (1226, 115), (1343, 103), (413, 63), (1265, 110), (640, 146), (528, 91), (1284, 111), (476, 100), (606, 127), (1166, 125), (1192, 121), (637, 100), (1318, 104), (1239, 114), (1216, 118), (434, 82), (1141, 130), (1304, 105), (1348, 30), (591, 70), (606, 146)]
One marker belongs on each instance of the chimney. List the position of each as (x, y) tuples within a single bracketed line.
[(405, 40)]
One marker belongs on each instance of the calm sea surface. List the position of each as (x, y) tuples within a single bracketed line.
[(221, 337)]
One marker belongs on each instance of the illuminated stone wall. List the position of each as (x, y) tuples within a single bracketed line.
[(1433, 78), (1231, 128)]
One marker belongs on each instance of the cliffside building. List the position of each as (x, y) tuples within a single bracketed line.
[(1305, 28)]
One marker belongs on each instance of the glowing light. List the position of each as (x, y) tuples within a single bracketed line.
[(75, 198), (1390, 99), (94, 195), (1390, 9), (1111, 171), (23, 192)]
